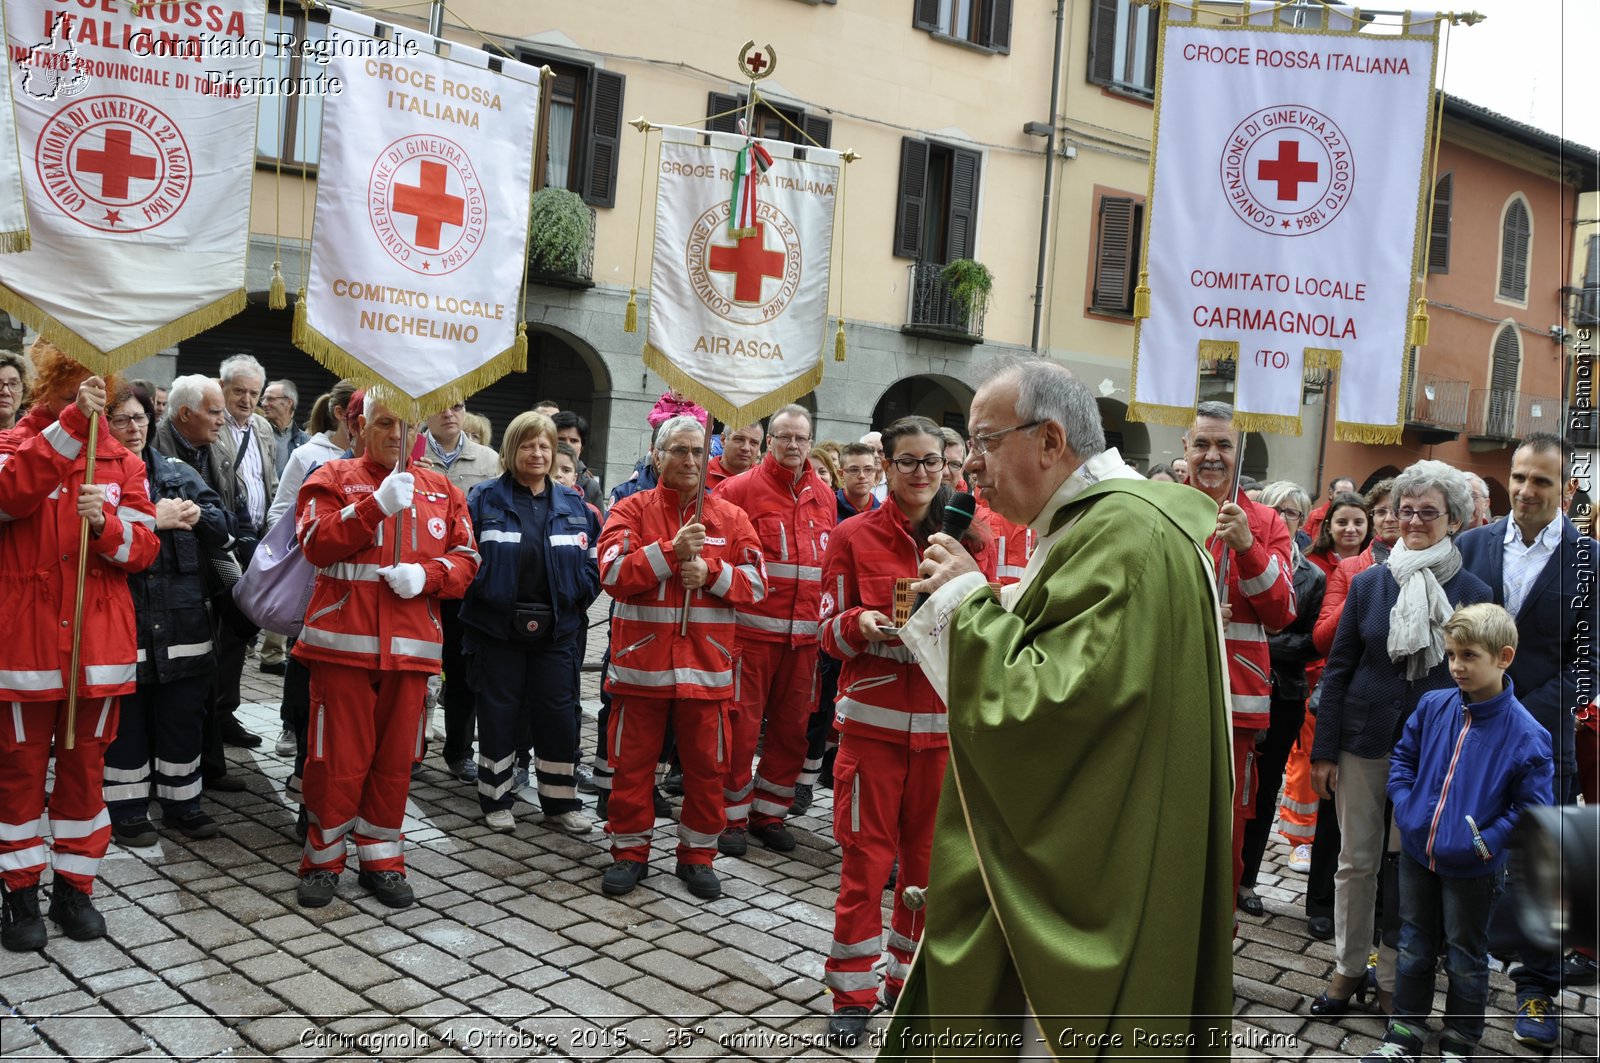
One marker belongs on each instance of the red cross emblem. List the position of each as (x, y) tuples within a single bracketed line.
[(430, 204), (117, 164), (750, 263), (1287, 170)]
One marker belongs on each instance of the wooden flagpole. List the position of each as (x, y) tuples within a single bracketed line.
[(71, 740)]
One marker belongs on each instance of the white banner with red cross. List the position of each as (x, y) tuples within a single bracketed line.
[(420, 235), (1285, 217), (739, 313), (138, 152)]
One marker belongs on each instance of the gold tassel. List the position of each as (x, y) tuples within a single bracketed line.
[(519, 349), (630, 317), (277, 294), (1419, 324), (1141, 295), (299, 328), (838, 342)]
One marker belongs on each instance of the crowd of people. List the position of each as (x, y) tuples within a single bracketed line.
[(760, 645)]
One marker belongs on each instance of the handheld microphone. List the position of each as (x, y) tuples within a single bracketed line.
[(958, 514)]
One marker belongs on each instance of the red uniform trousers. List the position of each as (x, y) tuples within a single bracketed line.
[(778, 682), (633, 742), (1244, 796), (365, 733), (80, 827), (885, 796)]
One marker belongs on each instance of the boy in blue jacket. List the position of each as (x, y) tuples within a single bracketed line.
[(1470, 760)]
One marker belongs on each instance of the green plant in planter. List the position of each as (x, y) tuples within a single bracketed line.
[(970, 284), (560, 224)]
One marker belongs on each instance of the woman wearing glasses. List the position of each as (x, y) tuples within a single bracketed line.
[(1389, 651), (893, 744), (159, 735), (13, 388)]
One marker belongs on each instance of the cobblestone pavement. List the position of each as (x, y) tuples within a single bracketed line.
[(512, 952)]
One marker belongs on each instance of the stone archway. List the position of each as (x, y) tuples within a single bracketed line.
[(944, 400), (564, 369), (1130, 438)]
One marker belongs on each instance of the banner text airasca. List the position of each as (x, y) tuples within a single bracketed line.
[(75, 21)]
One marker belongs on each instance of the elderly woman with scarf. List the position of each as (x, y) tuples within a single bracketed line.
[(1389, 651)]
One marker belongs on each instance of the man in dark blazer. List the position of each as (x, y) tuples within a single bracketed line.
[(1533, 561)]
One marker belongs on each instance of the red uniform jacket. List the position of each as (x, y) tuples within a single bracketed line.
[(1333, 597), (639, 569), (1261, 594), (354, 619), (42, 462), (1013, 545), (792, 522), (882, 691)]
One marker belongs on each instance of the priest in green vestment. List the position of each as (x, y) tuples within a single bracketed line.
[(1081, 856)]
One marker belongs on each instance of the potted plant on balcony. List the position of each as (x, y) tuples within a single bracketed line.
[(560, 231), (970, 284)]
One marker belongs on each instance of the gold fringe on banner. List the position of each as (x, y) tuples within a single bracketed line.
[(13, 242), (1151, 413), (1323, 357), (838, 342), (1376, 434), (342, 363), (1282, 424), (1219, 350), (721, 408), (118, 359)]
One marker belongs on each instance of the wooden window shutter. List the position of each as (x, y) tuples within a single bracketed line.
[(1103, 42), (1113, 257), (964, 171), (818, 128), (717, 103), (925, 15), (1439, 232), (1507, 358), (605, 138), (1514, 236), (998, 36), (913, 189)]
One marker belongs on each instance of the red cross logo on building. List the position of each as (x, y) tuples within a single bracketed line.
[(116, 164), (1287, 170), (750, 263), (430, 204)]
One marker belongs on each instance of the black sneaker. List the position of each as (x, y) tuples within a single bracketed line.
[(390, 887), (701, 880), (316, 888), (846, 1026), (21, 926), (465, 769), (73, 911), (196, 824), (672, 785), (138, 833), (774, 836), (1578, 970), (663, 806), (602, 805), (301, 825), (235, 734), (226, 784), (731, 842), (802, 799), (622, 876), (584, 776)]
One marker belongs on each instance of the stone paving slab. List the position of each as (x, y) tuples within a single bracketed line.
[(513, 953)]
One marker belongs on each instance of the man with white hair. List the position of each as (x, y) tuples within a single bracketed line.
[(278, 404), (1480, 500), (196, 415), (875, 441)]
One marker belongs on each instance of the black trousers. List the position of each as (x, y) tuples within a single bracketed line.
[(1272, 755), (223, 699), (525, 697), (1325, 846), (297, 707), (159, 731), (459, 701)]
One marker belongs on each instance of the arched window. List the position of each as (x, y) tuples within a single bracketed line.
[(1515, 233), (1502, 412)]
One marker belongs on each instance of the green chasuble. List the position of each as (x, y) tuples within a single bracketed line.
[(1081, 854)]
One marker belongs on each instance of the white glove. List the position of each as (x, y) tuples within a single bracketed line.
[(395, 493), (405, 579)]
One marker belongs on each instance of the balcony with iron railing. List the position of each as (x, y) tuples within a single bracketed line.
[(931, 311), (566, 263), (1501, 418), (1436, 407)]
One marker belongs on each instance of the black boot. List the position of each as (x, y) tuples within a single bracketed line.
[(73, 911), (21, 927)]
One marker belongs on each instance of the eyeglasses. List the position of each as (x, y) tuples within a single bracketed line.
[(126, 419), (11, 385), (933, 463), (859, 470), (792, 441), (681, 452), (1287, 512), (980, 443), (1426, 516)]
